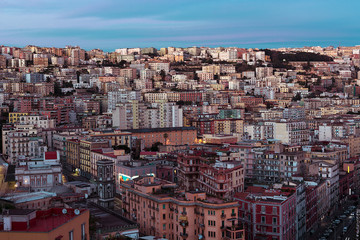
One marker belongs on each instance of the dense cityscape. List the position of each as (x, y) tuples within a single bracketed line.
[(176, 143)]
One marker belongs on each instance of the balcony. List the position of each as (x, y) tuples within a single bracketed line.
[(183, 235), (235, 232), (223, 216), (233, 214), (171, 209), (202, 225), (184, 213), (176, 211), (184, 223)]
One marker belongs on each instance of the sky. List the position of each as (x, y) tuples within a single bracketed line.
[(112, 24)]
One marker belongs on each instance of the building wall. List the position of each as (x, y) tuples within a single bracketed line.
[(175, 137), (171, 218)]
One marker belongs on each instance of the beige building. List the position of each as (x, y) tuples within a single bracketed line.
[(291, 132)]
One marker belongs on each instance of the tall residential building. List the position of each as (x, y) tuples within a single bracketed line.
[(25, 142), (162, 211), (129, 115), (291, 132), (268, 213), (222, 179), (85, 154), (163, 114), (160, 66), (121, 96)]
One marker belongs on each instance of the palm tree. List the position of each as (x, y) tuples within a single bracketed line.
[(165, 137)]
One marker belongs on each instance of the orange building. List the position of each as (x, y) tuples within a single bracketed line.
[(55, 223), (167, 136), (162, 211)]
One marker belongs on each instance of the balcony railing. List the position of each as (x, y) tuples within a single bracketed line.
[(184, 223), (223, 216), (183, 235)]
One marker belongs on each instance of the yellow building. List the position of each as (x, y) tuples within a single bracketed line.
[(228, 126), (354, 145), (14, 116)]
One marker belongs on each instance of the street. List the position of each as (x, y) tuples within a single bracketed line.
[(342, 224)]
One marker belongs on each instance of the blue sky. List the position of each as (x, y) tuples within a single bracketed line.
[(115, 24)]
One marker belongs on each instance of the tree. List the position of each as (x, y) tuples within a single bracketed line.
[(297, 97), (57, 89), (166, 137), (122, 147), (155, 147), (162, 74)]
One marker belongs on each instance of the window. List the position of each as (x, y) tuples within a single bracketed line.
[(164, 206), (274, 210), (83, 231), (71, 235), (274, 220), (274, 230), (164, 226), (262, 219), (262, 209)]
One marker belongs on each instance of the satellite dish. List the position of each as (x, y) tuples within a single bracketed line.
[(64, 211), (77, 211)]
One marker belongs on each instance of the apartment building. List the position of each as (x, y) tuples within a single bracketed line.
[(37, 120), (268, 213), (162, 211), (85, 148), (291, 132), (222, 179), (129, 115), (24, 142)]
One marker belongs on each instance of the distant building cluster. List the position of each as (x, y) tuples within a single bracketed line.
[(179, 143)]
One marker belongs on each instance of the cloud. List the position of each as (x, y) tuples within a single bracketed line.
[(110, 23)]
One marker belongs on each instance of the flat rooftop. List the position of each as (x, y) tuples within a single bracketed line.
[(27, 197)]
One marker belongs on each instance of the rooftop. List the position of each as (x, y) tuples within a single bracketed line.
[(147, 130), (26, 197), (45, 221)]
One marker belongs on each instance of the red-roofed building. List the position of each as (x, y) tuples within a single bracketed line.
[(51, 156), (55, 223), (268, 214)]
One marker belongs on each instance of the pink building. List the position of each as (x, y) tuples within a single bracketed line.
[(162, 211), (222, 179)]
